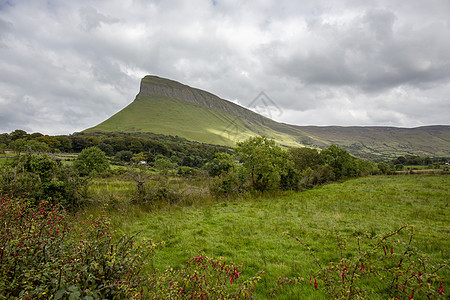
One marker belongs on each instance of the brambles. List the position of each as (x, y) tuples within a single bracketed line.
[(388, 267), (203, 278), (45, 254)]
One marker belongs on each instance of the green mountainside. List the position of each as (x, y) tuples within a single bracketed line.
[(167, 107)]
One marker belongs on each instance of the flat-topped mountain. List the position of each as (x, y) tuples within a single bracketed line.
[(168, 107), (164, 106)]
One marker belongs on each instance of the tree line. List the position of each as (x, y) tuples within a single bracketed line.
[(121, 147), (260, 164)]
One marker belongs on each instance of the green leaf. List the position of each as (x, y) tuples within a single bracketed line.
[(59, 294)]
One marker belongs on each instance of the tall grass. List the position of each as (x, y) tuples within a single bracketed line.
[(249, 231)]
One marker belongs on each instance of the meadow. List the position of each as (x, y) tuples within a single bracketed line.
[(248, 230)]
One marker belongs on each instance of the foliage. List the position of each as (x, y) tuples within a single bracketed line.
[(342, 163), (389, 267), (45, 255), (25, 145), (385, 168), (221, 164), (91, 160), (305, 157), (317, 175), (39, 177), (164, 164), (187, 171), (203, 278), (265, 162), (232, 183)]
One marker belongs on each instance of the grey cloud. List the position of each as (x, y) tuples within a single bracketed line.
[(367, 53), (92, 19), (345, 63)]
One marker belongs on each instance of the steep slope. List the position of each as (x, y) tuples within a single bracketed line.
[(168, 107)]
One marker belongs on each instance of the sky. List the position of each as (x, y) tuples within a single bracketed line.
[(69, 65)]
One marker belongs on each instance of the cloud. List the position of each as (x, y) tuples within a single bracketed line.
[(69, 65), (92, 19)]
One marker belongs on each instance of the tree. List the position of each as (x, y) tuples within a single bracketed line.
[(305, 158), (164, 164), (18, 134), (107, 148), (222, 163), (91, 160), (342, 163), (24, 145), (265, 161), (38, 177)]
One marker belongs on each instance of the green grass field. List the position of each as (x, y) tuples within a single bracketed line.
[(249, 232)]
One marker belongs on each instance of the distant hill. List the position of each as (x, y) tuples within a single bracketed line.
[(384, 142), (164, 106)]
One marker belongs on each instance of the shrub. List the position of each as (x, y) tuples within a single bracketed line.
[(316, 176), (222, 163), (230, 184), (388, 268), (187, 171), (40, 177), (46, 255), (91, 160), (203, 278)]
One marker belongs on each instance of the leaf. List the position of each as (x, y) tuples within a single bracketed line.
[(75, 295), (59, 294)]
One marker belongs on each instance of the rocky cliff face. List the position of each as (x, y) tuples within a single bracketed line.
[(153, 86)]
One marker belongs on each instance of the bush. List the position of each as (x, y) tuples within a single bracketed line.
[(318, 175), (203, 278), (187, 171), (91, 160), (39, 177), (388, 267), (230, 184), (46, 255)]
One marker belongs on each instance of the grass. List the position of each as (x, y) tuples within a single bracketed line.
[(163, 115), (249, 231), (4, 157)]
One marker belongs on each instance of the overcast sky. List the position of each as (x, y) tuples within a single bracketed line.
[(69, 65)]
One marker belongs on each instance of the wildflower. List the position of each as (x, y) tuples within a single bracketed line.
[(362, 267), (315, 283), (392, 249), (412, 295)]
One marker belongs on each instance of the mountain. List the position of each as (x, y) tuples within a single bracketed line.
[(168, 107), (384, 142), (164, 106)]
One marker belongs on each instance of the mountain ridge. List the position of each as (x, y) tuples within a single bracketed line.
[(165, 106)]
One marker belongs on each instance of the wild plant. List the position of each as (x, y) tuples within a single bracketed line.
[(203, 278), (45, 254), (388, 267)]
